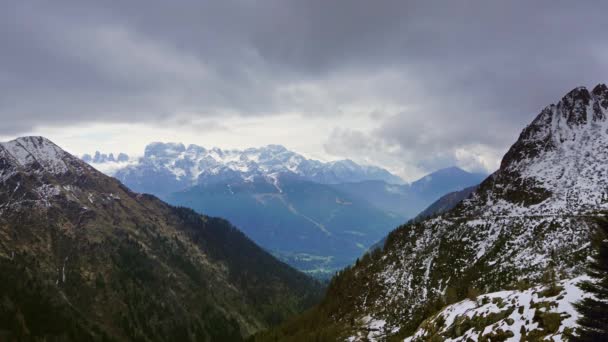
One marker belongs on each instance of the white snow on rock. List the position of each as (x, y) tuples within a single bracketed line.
[(375, 330), (36, 171), (509, 313), (195, 164), (27, 151)]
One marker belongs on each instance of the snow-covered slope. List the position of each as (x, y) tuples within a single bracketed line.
[(532, 215), (36, 153), (32, 170), (173, 166), (542, 312)]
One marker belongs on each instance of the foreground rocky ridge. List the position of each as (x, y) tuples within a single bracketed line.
[(530, 216), (84, 258)]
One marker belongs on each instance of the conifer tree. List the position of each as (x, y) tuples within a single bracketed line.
[(594, 310)]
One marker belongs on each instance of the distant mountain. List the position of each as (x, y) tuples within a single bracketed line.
[(83, 258), (440, 182), (408, 200), (99, 158), (445, 203), (527, 224), (310, 225), (107, 163), (170, 167)]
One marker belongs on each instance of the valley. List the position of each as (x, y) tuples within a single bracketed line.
[(318, 217)]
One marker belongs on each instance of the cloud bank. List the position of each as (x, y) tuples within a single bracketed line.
[(408, 85)]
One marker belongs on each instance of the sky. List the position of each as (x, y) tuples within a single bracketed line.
[(411, 86)]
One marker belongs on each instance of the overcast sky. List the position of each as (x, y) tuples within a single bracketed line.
[(408, 85)]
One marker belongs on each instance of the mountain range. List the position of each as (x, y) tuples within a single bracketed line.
[(84, 258), (527, 224), (169, 167), (318, 217)]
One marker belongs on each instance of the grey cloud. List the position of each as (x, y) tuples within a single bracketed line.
[(410, 162), (461, 74)]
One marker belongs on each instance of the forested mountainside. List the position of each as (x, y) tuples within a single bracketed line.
[(530, 219), (84, 258)]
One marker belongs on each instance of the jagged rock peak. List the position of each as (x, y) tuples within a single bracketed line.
[(601, 90), (579, 105), (600, 94), (122, 157), (559, 159), (561, 122), (573, 106), (99, 158)]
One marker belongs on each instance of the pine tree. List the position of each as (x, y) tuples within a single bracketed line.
[(594, 311)]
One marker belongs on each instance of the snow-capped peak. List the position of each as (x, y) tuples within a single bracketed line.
[(184, 166), (28, 151)]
